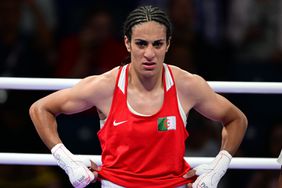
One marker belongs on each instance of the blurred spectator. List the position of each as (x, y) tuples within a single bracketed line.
[(269, 178), (211, 53), (93, 51), (23, 53), (254, 32), (182, 16), (47, 13), (181, 52), (28, 177), (255, 29)]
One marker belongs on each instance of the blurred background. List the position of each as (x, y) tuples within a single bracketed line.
[(220, 40)]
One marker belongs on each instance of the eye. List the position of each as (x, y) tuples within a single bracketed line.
[(141, 43), (158, 44)]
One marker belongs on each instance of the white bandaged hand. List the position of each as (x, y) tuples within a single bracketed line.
[(279, 160), (79, 175), (211, 173)]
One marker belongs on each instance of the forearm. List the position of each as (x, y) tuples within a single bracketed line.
[(233, 133), (45, 125)]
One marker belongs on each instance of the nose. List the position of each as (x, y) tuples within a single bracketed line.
[(149, 52)]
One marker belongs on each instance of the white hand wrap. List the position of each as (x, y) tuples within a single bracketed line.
[(79, 175), (210, 174), (279, 160)]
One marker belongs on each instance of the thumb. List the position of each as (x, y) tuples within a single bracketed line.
[(94, 166), (190, 174), (189, 185)]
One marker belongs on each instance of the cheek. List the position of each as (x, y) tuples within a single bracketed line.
[(136, 54), (161, 54)]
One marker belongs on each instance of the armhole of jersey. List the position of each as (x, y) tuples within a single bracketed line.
[(122, 79), (169, 83), (182, 113), (102, 122), (118, 84)]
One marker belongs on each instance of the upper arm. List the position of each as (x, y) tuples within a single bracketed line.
[(87, 93), (211, 104), (194, 92), (67, 101)]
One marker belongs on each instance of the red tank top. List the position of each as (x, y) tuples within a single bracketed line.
[(144, 151)]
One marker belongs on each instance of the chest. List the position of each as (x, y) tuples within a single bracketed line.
[(145, 103)]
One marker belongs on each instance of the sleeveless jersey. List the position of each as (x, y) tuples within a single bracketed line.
[(144, 151)]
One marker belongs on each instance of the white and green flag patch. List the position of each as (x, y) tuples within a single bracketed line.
[(167, 123)]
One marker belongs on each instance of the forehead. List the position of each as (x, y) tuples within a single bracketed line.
[(149, 31)]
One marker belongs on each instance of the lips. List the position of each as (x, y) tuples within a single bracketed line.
[(149, 65)]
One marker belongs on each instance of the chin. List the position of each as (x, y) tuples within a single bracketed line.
[(150, 72)]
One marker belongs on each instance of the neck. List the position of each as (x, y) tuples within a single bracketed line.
[(143, 82)]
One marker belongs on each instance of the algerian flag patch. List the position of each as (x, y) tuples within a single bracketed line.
[(167, 123)]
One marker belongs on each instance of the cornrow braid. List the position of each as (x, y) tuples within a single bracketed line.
[(146, 14)]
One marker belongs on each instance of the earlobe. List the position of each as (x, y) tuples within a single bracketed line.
[(127, 43), (167, 48), (168, 44)]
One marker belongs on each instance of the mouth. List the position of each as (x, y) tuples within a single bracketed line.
[(149, 65)]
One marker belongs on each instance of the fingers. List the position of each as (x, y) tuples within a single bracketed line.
[(96, 176), (189, 185), (94, 167), (189, 174)]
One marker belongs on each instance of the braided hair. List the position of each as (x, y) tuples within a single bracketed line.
[(146, 14)]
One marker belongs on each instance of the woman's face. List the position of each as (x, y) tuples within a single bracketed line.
[(147, 47)]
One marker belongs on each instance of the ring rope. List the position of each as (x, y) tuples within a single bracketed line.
[(48, 160), (61, 83)]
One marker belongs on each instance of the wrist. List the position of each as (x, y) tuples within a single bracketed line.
[(63, 156), (225, 153), (59, 149), (222, 160), (79, 174), (56, 147)]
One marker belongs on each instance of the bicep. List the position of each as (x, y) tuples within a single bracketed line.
[(66, 101), (212, 105), (89, 92), (70, 100), (216, 107)]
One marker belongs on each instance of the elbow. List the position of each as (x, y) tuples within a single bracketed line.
[(34, 110), (243, 122), (39, 110)]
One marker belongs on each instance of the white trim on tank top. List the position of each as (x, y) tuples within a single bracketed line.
[(108, 184), (182, 113)]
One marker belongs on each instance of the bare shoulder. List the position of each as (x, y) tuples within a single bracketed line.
[(97, 86), (185, 80), (103, 80), (191, 88)]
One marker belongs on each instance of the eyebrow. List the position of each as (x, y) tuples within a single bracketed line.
[(159, 40)]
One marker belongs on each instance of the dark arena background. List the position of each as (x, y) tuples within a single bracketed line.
[(220, 40)]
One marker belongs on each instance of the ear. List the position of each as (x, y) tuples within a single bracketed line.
[(127, 44), (168, 44)]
